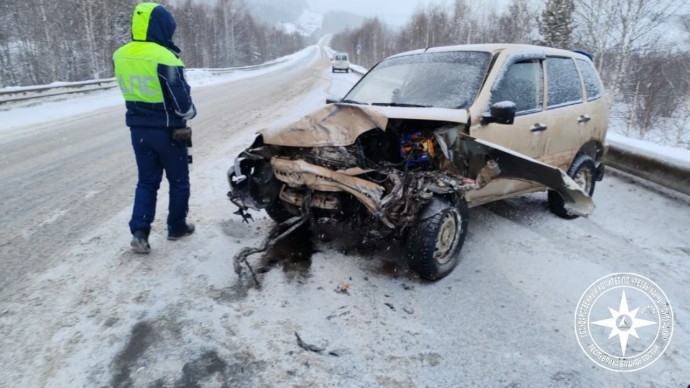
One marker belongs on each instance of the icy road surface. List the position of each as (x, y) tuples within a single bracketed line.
[(77, 308)]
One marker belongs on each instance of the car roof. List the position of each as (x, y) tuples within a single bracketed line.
[(495, 48)]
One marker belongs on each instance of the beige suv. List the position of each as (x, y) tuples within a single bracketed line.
[(427, 134)]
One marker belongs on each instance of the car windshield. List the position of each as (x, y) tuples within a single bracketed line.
[(446, 80)]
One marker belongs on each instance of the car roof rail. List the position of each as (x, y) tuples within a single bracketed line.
[(585, 53)]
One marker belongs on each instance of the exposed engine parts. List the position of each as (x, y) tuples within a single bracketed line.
[(391, 174)]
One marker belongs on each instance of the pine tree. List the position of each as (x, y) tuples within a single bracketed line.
[(557, 23)]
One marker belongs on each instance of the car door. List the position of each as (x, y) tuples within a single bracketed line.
[(522, 83), (568, 117), (595, 116)]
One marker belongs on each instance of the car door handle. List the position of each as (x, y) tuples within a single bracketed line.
[(539, 128), (583, 119)]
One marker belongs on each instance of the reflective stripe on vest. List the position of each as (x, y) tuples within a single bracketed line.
[(136, 70)]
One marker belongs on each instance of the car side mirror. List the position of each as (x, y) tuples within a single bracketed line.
[(502, 112)]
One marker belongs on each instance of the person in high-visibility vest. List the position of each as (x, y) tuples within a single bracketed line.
[(158, 99)]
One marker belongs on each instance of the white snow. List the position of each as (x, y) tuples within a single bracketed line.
[(54, 217), (673, 155), (50, 85), (671, 131), (288, 28), (359, 69), (308, 23)]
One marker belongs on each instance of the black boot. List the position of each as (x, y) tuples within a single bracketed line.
[(186, 231), (140, 242)]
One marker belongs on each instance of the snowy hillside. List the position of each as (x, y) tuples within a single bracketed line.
[(306, 25)]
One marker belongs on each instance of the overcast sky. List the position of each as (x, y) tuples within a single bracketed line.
[(395, 12)]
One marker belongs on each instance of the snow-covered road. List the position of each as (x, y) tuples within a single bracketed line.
[(77, 308)]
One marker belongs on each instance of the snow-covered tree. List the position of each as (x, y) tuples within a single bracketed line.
[(556, 24), (43, 41), (614, 31), (517, 24)]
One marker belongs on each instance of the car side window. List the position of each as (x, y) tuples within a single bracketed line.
[(589, 75), (522, 84), (564, 82)]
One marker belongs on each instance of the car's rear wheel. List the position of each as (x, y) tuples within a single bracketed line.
[(433, 244), (584, 173)]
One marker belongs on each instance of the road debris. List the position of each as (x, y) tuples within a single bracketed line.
[(241, 257), (343, 288), (338, 313), (306, 346)]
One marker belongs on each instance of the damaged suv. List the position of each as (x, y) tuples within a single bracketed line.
[(427, 134)]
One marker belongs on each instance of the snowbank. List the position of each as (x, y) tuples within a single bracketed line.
[(204, 77), (358, 69), (674, 156)]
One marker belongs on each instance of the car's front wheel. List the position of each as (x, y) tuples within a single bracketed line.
[(584, 173), (433, 244)]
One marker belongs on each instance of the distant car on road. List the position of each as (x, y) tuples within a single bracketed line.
[(341, 62), (428, 133)]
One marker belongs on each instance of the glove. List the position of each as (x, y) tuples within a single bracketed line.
[(188, 115)]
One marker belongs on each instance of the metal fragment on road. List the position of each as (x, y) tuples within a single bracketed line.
[(241, 257)]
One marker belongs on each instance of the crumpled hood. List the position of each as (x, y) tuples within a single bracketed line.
[(151, 22), (341, 124)]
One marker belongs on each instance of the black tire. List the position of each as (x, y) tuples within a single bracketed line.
[(278, 211), (333, 69), (584, 173), (347, 70), (433, 244)]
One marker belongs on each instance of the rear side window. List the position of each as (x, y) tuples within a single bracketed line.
[(589, 75), (522, 84), (564, 82)]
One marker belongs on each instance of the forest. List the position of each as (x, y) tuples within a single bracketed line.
[(42, 41), (640, 48)]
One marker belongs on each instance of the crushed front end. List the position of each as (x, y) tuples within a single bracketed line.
[(360, 165), (383, 179)]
